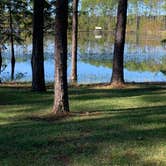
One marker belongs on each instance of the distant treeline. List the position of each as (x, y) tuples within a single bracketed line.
[(143, 24)]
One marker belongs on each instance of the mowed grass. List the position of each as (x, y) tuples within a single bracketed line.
[(106, 126)]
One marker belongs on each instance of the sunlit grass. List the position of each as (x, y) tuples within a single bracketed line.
[(106, 127)]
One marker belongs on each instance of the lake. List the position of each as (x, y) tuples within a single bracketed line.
[(145, 59)]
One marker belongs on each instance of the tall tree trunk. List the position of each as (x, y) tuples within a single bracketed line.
[(61, 104), (37, 60), (138, 18), (12, 45), (118, 70), (137, 28), (73, 78)]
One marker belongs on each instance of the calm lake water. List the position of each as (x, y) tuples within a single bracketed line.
[(145, 59)]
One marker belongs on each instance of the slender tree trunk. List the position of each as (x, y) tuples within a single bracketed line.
[(118, 70), (12, 46), (73, 78), (61, 104), (37, 60), (137, 23), (137, 28), (138, 18)]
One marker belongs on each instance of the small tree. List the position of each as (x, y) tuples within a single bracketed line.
[(13, 14), (2, 34)]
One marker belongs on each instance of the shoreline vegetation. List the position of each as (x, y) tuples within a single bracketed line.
[(49, 85)]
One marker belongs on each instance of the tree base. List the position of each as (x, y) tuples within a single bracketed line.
[(39, 90), (60, 113), (117, 84), (73, 81)]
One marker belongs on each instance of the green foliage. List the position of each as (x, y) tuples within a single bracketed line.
[(104, 7), (20, 16)]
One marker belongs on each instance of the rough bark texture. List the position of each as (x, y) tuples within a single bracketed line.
[(61, 105), (73, 78), (118, 73), (37, 61), (12, 46)]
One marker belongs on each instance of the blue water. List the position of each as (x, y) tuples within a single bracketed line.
[(87, 73), (143, 63)]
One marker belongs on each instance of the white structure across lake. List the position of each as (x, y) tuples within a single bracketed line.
[(98, 28)]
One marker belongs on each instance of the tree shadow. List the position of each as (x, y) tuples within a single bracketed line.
[(64, 140), (90, 94), (21, 97), (95, 137)]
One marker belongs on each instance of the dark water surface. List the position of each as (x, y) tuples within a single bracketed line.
[(145, 59)]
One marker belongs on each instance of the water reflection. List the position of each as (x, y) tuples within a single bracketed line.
[(144, 59)]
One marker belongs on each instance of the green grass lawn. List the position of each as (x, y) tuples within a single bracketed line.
[(108, 127)]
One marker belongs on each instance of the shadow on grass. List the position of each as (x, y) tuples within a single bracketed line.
[(13, 96), (24, 97), (88, 94), (63, 141), (114, 137)]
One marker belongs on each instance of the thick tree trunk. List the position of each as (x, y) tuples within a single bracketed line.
[(12, 46), (61, 105), (118, 70), (37, 60), (73, 78)]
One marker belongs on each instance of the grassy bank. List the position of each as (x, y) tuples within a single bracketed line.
[(106, 127)]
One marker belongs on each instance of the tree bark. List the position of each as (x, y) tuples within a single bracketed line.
[(37, 60), (118, 67), (12, 45), (73, 78), (138, 18), (61, 104)]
